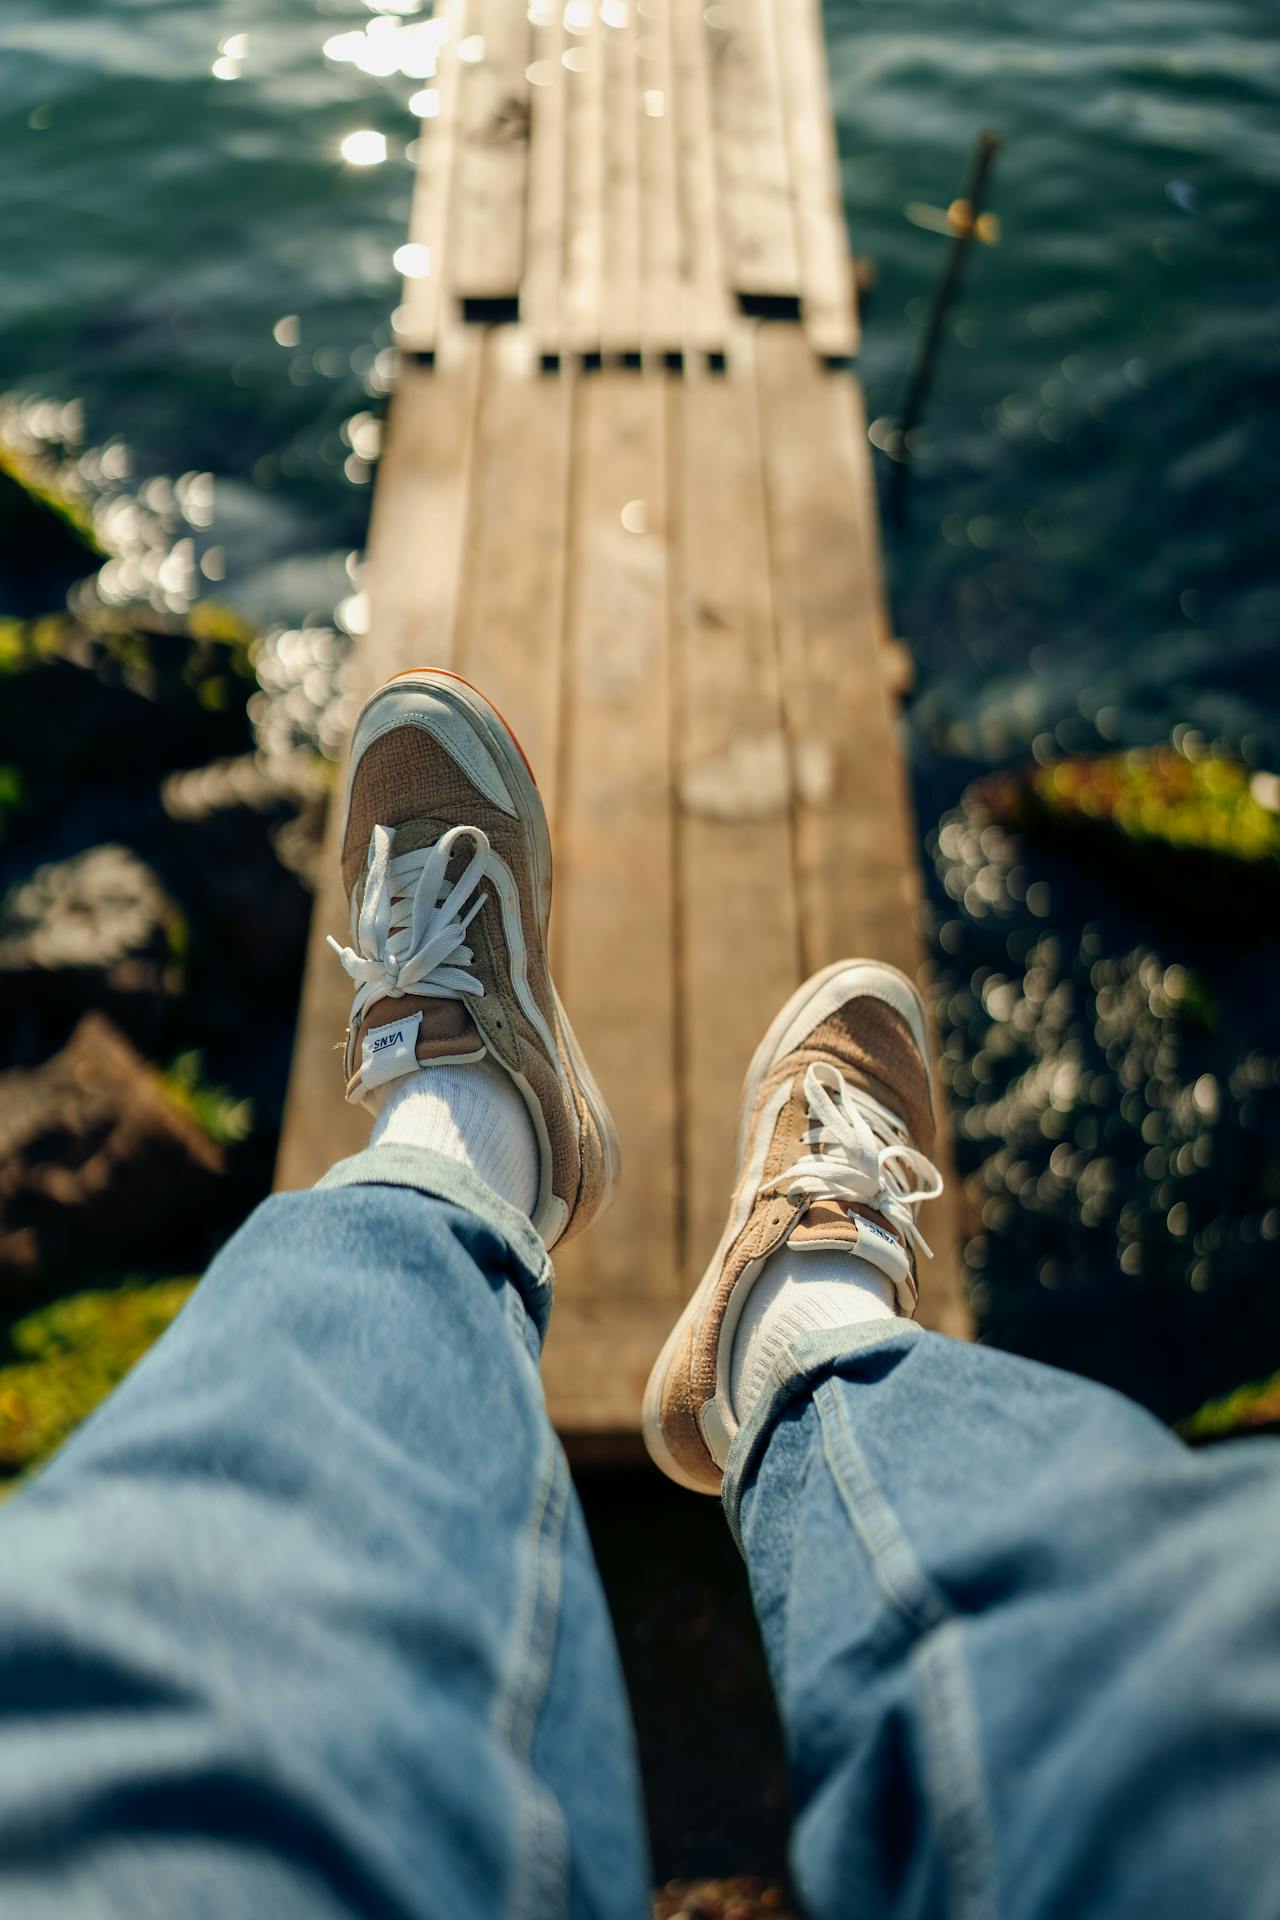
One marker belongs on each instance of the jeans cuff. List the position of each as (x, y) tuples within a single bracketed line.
[(441, 1178), (797, 1369)]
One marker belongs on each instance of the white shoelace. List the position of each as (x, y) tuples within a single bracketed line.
[(411, 933), (859, 1154)]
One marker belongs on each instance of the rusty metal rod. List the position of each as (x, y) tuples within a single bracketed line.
[(964, 218)]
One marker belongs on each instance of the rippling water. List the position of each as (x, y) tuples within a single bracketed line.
[(1090, 562), (190, 263)]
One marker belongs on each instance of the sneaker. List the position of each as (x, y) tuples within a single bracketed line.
[(835, 1126), (446, 860)]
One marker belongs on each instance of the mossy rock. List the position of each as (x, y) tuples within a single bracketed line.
[(1174, 831), (118, 701), (1250, 1409), (68, 1357), (47, 541)]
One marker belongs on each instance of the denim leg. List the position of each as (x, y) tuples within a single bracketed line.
[(1026, 1644), (304, 1621)]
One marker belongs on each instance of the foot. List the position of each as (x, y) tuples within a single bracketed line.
[(446, 861), (835, 1126)]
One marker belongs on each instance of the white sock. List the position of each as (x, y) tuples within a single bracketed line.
[(473, 1113), (800, 1293)]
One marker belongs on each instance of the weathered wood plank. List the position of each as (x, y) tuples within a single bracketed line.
[(613, 931), (545, 220), (620, 270), (598, 1356), (318, 1127), (424, 308), (828, 302), (416, 538), (739, 937), (757, 209), (512, 618), (419, 508), (702, 270), (856, 861), (583, 59), (492, 152), (661, 329)]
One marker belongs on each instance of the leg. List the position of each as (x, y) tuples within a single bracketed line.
[(1026, 1645), (304, 1621)]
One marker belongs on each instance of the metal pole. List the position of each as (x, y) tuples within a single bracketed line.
[(964, 221)]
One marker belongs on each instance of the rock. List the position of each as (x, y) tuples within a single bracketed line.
[(97, 1164), (96, 930), (289, 789), (114, 701), (1251, 1409), (1162, 827), (46, 540), (236, 834)]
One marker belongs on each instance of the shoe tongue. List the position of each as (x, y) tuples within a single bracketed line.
[(856, 1229), (824, 1223), (446, 1029)]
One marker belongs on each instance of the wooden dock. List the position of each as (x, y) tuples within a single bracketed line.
[(626, 490)]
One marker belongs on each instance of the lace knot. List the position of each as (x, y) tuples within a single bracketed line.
[(859, 1154), (410, 935)]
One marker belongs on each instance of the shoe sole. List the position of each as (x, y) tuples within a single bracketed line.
[(836, 984), (502, 744)]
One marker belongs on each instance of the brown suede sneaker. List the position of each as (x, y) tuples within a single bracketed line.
[(446, 860), (835, 1126)]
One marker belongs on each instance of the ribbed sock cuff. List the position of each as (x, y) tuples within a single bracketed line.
[(797, 1293), (474, 1113)]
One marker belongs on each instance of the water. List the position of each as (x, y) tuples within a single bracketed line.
[(1094, 535), (190, 264), (1090, 563)]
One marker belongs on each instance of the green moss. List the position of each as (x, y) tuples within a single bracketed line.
[(224, 1117), (70, 1356), (1244, 1411), (119, 698), (10, 797), (210, 620), (1207, 804), (1160, 827)]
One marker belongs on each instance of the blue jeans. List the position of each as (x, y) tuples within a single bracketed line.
[(304, 1621)]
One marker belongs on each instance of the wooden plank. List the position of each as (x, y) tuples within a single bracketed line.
[(416, 537), (598, 1356), (702, 270), (758, 213), (613, 933), (424, 308), (511, 626), (492, 152), (419, 507), (828, 301), (620, 239), (851, 800), (856, 858), (739, 937), (661, 328), (545, 219), (583, 59), (319, 1127), (865, 513)]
